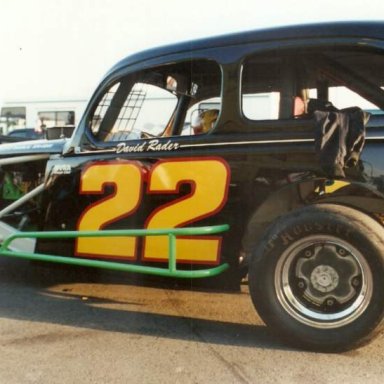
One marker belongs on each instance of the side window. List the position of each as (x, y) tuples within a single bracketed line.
[(101, 109), (347, 78), (159, 102), (298, 82), (261, 88), (261, 106), (202, 117), (342, 97), (142, 111)]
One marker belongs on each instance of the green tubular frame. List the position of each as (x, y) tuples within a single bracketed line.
[(172, 270)]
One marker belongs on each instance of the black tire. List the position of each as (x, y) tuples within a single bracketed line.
[(317, 277)]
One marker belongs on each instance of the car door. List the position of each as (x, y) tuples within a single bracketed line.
[(137, 170)]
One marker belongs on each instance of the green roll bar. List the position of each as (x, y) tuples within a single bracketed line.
[(171, 271)]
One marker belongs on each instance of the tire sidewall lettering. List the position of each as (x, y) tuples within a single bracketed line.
[(291, 233)]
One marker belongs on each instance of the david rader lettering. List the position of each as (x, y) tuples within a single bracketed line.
[(147, 146)]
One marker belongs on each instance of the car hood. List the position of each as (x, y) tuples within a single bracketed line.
[(32, 147)]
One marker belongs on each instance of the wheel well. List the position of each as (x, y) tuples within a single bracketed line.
[(358, 196), (278, 203)]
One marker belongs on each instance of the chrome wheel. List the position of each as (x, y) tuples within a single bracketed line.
[(323, 281), (317, 277)]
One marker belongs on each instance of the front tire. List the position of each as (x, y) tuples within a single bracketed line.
[(317, 277)]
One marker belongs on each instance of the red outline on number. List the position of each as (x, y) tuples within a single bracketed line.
[(186, 197), (111, 196)]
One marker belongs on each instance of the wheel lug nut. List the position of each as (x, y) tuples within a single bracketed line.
[(356, 282), (330, 302), (301, 284), (341, 251), (308, 253)]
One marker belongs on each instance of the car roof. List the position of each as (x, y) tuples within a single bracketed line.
[(361, 29)]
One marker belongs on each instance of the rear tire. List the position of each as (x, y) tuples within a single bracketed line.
[(317, 277)]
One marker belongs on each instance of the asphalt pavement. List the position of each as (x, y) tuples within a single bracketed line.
[(75, 325)]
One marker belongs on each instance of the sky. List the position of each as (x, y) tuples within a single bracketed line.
[(60, 49)]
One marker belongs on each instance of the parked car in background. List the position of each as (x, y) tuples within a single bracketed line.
[(26, 134), (251, 154), (22, 134)]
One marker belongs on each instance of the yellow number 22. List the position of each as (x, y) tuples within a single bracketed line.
[(208, 179)]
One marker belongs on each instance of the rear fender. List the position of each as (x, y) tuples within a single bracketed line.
[(361, 196)]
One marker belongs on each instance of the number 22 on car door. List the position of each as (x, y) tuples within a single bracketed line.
[(208, 179)]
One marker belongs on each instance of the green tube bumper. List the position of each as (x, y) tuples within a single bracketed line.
[(172, 233)]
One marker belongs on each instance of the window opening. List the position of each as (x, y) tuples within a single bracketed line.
[(157, 103)]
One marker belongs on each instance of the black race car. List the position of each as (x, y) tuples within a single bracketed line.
[(258, 154)]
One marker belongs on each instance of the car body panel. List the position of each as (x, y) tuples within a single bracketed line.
[(245, 172)]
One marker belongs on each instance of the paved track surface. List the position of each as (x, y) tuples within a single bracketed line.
[(72, 325)]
